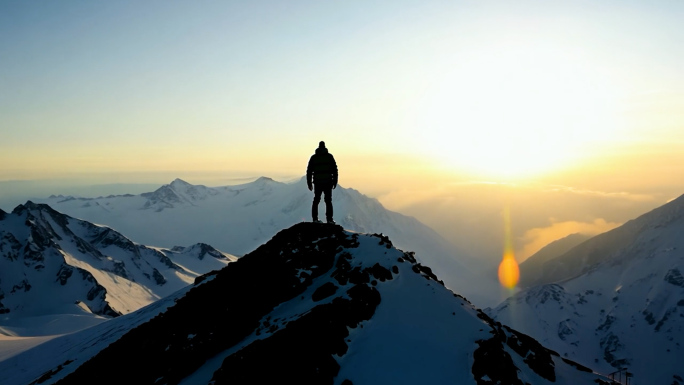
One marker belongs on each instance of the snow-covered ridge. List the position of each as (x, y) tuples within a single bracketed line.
[(618, 304), (51, 263), (651, 230), (317, 304)]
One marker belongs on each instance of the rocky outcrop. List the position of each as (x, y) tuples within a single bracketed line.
[(305, 297)]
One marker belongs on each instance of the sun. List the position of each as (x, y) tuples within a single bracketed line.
[(516, 111)]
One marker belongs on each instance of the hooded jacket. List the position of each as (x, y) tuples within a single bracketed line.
[(322, 168)]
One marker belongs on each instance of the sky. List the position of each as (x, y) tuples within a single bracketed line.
[(570, 114)]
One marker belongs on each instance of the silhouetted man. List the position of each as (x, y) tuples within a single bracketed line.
[(322, 172)]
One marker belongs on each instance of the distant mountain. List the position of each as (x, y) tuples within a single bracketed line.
[(532, 269), (51, 263), (614, 301), (239, 218), (316, 305)]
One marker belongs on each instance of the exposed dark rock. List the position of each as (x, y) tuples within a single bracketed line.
[(158, 277), (24, 285), (662, 321), (47, 375), (65, 271), (565, 329), (576, 365), (384, 240), (160, 350), (425, 272), (493, 365), (162, 258), (3, 308), (14, 248), (119, 268), (380, 273), (410, 256), (648, 316), (344, 273), (305, 347), (608, 322), (483, 316), (87, 248), (210, 251), (95, 292), (611, 344), (537, 357), (108, 237), (674, 276)]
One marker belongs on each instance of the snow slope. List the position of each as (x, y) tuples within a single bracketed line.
[(54, 269), (532, 269), (318, 305), (614, 301), (239, 218)]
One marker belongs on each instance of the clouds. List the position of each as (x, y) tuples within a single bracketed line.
[(470, 213), (603, 194), (536, 238)]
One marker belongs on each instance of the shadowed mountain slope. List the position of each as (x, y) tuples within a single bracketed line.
[(614, 301), (533, 267)]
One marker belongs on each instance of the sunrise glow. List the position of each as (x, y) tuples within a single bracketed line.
[(518, 109)]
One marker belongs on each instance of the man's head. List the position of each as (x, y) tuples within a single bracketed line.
[(321, 144)]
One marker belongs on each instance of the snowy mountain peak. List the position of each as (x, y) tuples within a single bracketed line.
[(53, 263), (316, 305), (264, 179), (179, 182), (178, 193), (29, 205), (613, 301), (201, 250)]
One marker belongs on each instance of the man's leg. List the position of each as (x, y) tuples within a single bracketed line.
[(316, 201), (328, 204)]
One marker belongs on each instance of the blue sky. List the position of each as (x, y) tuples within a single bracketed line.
[(412, 97), (143, 80)]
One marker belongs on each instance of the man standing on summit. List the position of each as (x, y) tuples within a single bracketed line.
[(322, 173)]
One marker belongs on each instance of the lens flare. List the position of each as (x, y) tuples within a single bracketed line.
[(509, 272)]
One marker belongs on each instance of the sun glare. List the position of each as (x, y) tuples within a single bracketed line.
[(516, 111)]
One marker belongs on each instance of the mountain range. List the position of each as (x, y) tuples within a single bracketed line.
[(316, 304), (237, 219), (54, 266), (614, 301)]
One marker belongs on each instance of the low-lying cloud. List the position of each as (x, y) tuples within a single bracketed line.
[(534, 239)]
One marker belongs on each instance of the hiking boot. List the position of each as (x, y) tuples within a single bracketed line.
[(332, 222), (317, 221)]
